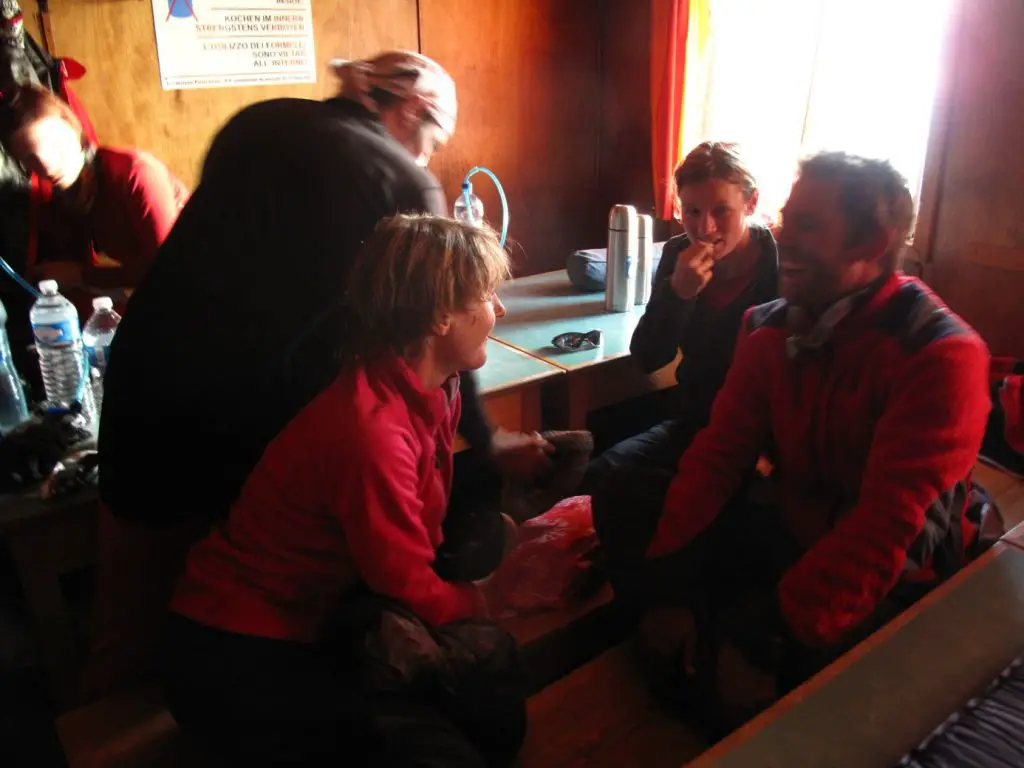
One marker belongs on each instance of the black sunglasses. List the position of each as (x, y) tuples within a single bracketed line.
[(574, 341)]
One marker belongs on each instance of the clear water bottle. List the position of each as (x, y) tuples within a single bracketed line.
[(97, 335), (13, 405), (62, 359), (468, 207)]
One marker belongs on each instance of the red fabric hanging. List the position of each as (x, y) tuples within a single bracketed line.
[(670, 20)]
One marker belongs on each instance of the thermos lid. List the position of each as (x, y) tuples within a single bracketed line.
[(645, 225), (622, 217)]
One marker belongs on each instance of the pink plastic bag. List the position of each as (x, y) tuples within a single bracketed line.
[(551, 563)]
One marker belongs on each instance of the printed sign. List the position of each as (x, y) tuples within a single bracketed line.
[(217, 43)]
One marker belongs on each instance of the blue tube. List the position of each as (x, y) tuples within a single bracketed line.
[(467, 189), (18, 278)]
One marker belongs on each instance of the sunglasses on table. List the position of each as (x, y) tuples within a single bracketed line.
[(575, 341)]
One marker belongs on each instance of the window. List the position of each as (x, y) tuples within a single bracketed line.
[(787, 78)]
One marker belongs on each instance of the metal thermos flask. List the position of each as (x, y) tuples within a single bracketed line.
[(620, 270), (644, 259)]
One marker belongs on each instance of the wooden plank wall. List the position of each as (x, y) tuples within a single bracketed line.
[(114, 39), (529, 85), (977, 256)]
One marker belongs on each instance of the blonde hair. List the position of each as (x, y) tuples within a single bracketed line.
[(413, 270), (715, 160)]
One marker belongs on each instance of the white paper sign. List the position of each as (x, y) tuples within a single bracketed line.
[(216, 43)]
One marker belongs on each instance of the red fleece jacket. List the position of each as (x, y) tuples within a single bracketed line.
[(870, 435), (137, 202), (354, 489)]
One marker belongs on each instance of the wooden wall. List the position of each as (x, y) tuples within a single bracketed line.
[(626, 105), (529, 82), (114, 39), (976, 262), (530, 91)]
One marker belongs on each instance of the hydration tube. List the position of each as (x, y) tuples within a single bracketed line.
[(467, 190), (18, 278), (467, 187)]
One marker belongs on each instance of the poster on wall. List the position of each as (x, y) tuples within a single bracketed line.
[(219, 43)]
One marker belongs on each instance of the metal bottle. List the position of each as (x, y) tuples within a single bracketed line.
[(644, 259), (620, 276)]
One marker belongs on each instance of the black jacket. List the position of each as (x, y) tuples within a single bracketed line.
[(238, 323), (705, 334)]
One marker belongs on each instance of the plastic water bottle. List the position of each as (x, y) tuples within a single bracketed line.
[(61, 356), (13, 405), (97, 335), (471, 211)]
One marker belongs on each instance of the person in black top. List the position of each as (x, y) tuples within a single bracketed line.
[(707, 278), (240, 322)]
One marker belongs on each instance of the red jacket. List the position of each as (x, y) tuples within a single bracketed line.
[(137, 202), (874, 438), (1009, 383), (353, 490)]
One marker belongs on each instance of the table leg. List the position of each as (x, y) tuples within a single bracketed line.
[(49, 618)]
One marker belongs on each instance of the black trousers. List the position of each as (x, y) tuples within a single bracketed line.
[(659, 448)]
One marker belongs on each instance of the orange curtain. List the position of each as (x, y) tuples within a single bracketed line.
[(680, 32)]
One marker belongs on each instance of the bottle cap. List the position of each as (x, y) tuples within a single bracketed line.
[(48, 287), (103, 302)]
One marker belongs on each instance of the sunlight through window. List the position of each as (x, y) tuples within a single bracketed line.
[(787, 78)]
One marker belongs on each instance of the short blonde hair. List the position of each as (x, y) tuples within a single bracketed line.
[(413, 270)]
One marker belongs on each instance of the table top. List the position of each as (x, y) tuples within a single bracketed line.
[(905, 682), (1015, 536), (507, 367), (541, 307)]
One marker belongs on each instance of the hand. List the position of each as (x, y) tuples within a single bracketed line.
[(68, 274), (693, 270), (519, 454)]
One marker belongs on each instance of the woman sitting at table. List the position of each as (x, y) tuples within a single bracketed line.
[(323, 621), (708, 277), (102, 200)]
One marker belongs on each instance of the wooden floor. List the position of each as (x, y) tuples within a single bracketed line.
[(602, 715)]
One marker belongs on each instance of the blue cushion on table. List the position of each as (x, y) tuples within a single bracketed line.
[(587, 267)]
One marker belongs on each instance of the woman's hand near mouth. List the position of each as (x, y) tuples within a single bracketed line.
[(693, 270)]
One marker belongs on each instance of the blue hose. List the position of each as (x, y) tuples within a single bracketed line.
[(467, 190), (18, 278)]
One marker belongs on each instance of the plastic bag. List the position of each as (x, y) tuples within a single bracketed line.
[(551, 565)]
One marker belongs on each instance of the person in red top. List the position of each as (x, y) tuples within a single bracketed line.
[(870, 398), (329, 565), (117, 202)]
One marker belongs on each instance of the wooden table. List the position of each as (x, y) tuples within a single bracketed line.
[(1016, 536), (541, 307), (885, 696), (510, 387)]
